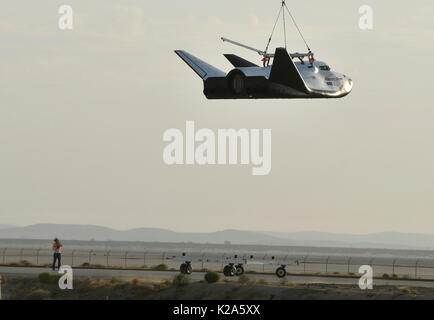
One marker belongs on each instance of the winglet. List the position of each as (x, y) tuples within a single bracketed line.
[(285, 72), (202, 69)]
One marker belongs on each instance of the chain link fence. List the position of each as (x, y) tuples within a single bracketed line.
[(309, 264)]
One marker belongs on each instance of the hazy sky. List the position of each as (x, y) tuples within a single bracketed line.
[(82, 114)]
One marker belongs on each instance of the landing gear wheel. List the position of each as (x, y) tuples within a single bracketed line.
[(281, 272), (239, 270), (189, 269), (186, 268), (229, 271)]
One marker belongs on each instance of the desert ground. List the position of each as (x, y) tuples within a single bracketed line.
[(44, 286)]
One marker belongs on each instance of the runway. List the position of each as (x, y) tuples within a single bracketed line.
[(155, 276)]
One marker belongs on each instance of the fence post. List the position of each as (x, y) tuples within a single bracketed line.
[(415, 268), (72, 258), (327, 264), (304, 264), (37, 256), (203, 256), (4, 255), (107, 253), (223, 259), (349, 263), (393, 267), (371, 263)]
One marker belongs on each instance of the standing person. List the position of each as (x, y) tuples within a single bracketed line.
[(57, 248)]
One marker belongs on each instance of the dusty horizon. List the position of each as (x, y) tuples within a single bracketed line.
[(2, 226)]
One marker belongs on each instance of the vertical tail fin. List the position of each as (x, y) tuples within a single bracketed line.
[(285, 72)]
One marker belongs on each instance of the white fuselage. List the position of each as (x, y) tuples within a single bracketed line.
[(318, 77)]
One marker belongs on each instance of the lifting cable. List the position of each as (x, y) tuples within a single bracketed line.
[(284, 26), (296, 25), (274, 28)]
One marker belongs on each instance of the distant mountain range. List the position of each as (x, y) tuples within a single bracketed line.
[(388, 240), (6, 226)]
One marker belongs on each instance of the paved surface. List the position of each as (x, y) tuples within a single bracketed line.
[(161, 275)]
